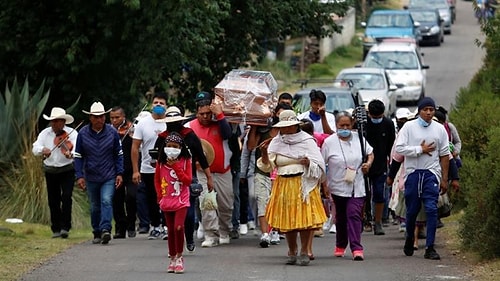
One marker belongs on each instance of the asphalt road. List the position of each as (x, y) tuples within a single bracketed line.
[(451, 66)]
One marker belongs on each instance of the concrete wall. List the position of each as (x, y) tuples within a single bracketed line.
[(328, 44)]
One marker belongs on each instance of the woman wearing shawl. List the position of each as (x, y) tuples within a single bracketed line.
[(295, 205)]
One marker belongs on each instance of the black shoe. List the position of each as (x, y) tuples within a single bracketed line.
[(431, 254), (190, 247), (56, 234), (378, 230), (234, 234), (131, 233), (64, 233), (408, 248), (439, 224), (97, 238), (385, 222), (119, 235), (143, 230), (105, 237)]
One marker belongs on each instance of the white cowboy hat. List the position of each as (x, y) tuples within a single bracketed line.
[(59, 113), (97, 109), (287, 118), (173, 114)]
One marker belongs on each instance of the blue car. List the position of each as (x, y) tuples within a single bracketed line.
[(384, 24)]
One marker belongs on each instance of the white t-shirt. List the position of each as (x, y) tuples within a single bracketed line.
[(334, 150), (147, 130), (408, 144), (318, 127)]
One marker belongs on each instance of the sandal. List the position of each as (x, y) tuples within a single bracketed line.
[(311, 256)]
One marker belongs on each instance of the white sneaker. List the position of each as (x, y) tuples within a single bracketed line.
[(333, 229), (326, 225), (265, 240), (275, 237), (224, 240), (251, 225), (200, 233), (243, 229), (209, 243)]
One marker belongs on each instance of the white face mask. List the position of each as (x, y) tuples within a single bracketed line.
[(172, 152)]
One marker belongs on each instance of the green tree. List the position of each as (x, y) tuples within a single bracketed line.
[(116, 50)]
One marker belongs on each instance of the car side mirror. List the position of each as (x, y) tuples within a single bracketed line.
[(416, 24), (363, 24), (425, 66), (405, 7), (399, 85), (393, 87)]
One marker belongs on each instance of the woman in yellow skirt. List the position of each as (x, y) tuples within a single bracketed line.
[(295, 205)]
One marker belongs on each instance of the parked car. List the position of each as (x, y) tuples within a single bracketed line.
[(337, 99), (446, 12), (431, 25), (404, 64), (389, 24), (372, 83)]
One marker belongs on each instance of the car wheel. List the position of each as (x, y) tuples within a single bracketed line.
[(422, 95)]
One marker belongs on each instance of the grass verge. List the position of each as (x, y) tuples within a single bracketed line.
[(27, 246)]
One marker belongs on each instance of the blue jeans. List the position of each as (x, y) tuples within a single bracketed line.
[(421, 186), (142, 206), (101, 204)]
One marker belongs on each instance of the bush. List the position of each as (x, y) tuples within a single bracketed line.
[(482, 216), (316, 70)]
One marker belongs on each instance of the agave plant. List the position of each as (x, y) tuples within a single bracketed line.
[(17, 109)]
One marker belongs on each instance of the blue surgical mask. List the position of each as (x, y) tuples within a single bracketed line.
[(314, 116), (422, 122), (344, 133), (377, 120), (159, 110)]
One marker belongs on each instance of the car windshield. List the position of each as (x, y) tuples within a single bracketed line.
[(439, 4), (335, 102), (392, 60), (424, 16), (365, 81), (387, 20)]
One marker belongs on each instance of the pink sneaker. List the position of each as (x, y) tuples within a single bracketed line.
[(171, 266), (179, 265), (339, 252), (358, 255)]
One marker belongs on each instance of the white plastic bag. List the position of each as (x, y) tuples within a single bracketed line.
[(209, 202)]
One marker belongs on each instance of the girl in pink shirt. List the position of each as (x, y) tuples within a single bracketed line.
[(173, 176)]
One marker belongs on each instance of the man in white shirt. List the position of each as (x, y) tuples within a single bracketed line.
[(57, 145), (424, 143), (323, 121)]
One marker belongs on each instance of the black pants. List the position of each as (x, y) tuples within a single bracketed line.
[(244, 200), (125, 205), (59, 193), (155, 216), (190, 221)]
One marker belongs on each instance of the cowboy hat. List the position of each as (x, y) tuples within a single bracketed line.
[(208, 150), (96, 109), (287, 118), (59, 113), (173, 114)]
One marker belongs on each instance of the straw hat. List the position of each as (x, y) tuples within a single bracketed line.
[(208, 150), (173, 114), (287, 118), (97, 109), (59, 113)]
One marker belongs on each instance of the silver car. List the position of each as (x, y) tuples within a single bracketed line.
[(443, 7), (372, 83)]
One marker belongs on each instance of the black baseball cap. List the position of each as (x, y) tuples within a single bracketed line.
[(202, 96)]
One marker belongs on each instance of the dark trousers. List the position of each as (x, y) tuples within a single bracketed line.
[(190, 221), (59, 193), (152, 201), (244, 200), (142, 206), (349, 221), (125, 205)]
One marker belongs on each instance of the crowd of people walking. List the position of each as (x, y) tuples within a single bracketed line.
[(289, 180)]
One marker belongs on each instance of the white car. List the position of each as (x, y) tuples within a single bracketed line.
[(404, 64), (372, 83)]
